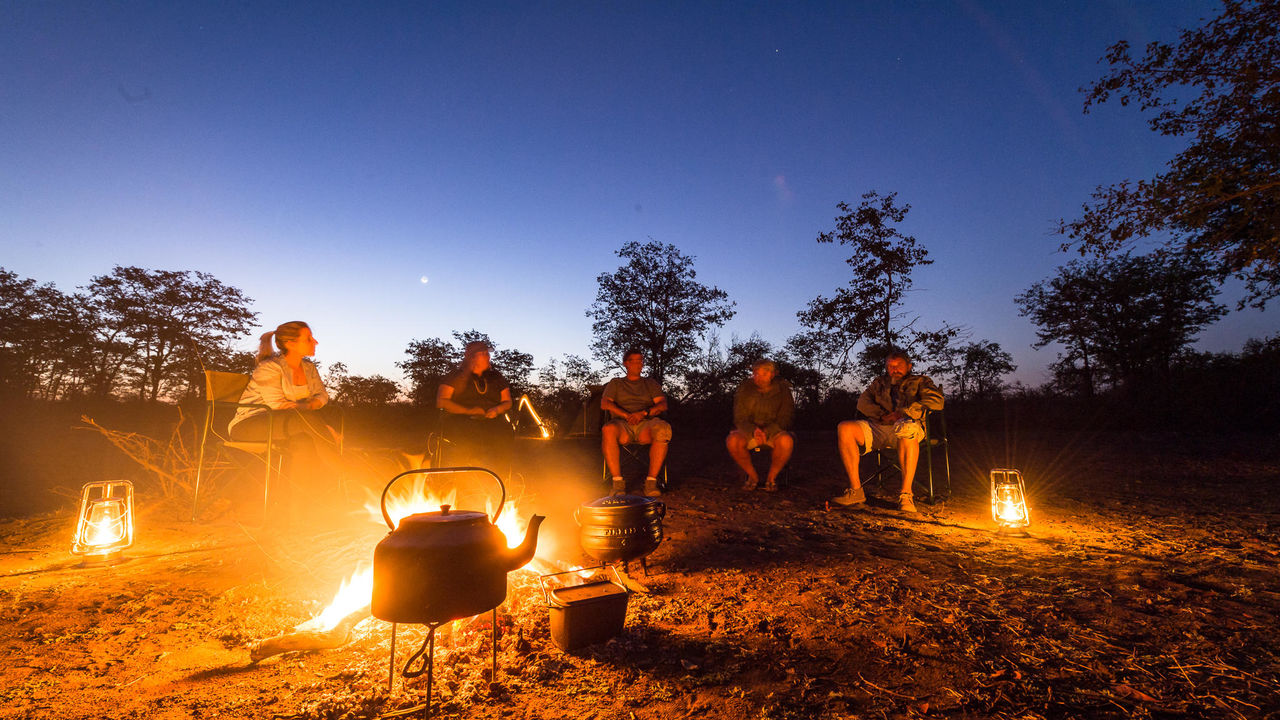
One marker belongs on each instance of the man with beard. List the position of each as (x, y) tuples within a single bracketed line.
[(894, 405)]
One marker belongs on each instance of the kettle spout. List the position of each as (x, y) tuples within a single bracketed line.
[(521, 555)]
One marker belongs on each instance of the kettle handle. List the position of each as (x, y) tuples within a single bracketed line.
[(425, 471)]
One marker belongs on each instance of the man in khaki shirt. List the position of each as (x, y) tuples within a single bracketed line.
[(633, 404), (762, 411)]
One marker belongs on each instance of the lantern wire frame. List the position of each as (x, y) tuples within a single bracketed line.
[(105, 524), (1009, 499)]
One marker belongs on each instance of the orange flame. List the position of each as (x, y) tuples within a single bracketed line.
[(407, 498), (354, 593)]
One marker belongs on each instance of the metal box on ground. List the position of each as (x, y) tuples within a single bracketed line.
[(585, 614)]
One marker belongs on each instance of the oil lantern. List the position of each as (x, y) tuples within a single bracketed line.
[(1009, 499), (105, 526)]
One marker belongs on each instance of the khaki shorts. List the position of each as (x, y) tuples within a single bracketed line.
[(768, 441), (885, 437), (659, 430)]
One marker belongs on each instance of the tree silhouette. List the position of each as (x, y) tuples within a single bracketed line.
[(149, 322), (1123, 319), (430, 360), (1218, 86), (655, 303), (868, 311)]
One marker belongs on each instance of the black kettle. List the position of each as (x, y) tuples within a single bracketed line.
[(447, 564)]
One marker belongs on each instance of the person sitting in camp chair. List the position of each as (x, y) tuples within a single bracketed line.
[(300, 417), (474, 399), (762, 411), (894, 405), (632, 404)]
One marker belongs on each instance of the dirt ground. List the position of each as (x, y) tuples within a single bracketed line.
[(1147, 587)]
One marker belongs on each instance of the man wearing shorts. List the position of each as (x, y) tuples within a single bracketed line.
[(632, 404), (894, 405), (762, 411)]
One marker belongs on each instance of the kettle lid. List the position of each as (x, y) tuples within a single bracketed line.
[(442, 517)]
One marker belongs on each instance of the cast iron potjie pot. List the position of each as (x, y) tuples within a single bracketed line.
[(444, 565), (620, 528)]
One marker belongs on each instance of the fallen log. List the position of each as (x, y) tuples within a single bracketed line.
[(302, 640)]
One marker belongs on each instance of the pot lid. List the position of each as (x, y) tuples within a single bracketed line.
[(620, 501)]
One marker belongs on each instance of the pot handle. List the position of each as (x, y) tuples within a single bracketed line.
[(433, 471), (542, 580)]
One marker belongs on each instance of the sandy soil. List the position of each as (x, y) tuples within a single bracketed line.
[(1147, 587)]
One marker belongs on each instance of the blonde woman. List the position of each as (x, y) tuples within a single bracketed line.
[(288, 383)]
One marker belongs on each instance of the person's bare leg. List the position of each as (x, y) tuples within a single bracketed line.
[(783, 444), (609, 446), (657, 454), (737, 446), (908, 455), (849, 440)]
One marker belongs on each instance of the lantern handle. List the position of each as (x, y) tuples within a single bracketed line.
[(426, 471)]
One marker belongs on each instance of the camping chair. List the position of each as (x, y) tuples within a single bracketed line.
[(935, 439), (634, 454), (222, 392)]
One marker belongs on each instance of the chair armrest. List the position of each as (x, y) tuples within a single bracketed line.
[(225, 404)]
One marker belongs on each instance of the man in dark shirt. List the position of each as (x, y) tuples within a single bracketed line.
[(762, 411), (475, 399), (632, 404)]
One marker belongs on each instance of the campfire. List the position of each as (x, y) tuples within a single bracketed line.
[(351, 604)]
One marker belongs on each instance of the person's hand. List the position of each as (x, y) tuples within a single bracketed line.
[(891, 418), (475, 411), (492, 412), (288, 405), (760, 437), (635, 418)]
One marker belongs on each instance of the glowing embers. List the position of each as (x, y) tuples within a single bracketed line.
[(1009, 500), (105, 526)]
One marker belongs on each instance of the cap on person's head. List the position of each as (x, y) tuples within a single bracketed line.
[(474, 347)]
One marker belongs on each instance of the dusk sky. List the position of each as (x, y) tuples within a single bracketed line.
[(392, 171)]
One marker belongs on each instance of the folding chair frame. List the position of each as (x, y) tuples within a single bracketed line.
[(887, 459), (218, 387)]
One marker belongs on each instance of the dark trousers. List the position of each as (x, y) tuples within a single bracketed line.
[(481, 442)]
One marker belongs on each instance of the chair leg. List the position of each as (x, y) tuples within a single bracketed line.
[(266, 480), (928, 464), (883, 465)]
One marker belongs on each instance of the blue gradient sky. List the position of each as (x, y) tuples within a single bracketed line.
[(327, 157)]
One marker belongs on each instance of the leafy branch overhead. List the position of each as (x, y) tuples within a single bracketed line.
[(1218, 86), (868, 310)]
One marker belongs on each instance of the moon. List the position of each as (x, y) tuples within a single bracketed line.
[(423, 279)]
